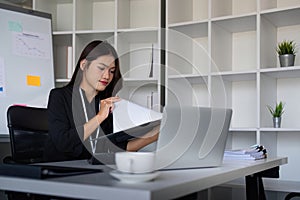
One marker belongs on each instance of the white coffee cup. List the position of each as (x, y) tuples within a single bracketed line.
[(135, 162)]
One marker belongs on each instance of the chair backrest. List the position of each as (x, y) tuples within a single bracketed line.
[(28, 131)]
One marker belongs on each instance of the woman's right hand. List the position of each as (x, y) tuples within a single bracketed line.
[(106, 107)]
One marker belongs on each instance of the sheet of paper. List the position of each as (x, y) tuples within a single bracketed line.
[(128, 115)]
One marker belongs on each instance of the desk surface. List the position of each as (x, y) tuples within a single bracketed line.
[(169, 184)]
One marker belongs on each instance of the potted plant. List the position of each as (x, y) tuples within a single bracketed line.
[(277, 113), (286, 51)]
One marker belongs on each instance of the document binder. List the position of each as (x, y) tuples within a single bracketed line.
[(42, 171)]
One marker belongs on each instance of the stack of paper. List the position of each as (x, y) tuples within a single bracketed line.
[(255, 152)]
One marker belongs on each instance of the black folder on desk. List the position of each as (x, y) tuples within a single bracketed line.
[(42, 171)]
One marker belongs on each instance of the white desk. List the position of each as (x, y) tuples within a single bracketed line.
[(168, 185)]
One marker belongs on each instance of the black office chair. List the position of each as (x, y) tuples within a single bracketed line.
[(28, 132)]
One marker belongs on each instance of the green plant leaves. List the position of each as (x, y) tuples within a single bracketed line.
[(286, 47), (278, 110)]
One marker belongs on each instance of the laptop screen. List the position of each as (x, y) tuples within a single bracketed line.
[(192, 137)]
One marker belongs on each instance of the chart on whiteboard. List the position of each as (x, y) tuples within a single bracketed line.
[(31, 44)]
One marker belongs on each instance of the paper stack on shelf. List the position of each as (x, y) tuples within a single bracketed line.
[(255, 152)]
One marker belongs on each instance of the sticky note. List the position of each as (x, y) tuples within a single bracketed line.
[(15, 26), (33, 80)]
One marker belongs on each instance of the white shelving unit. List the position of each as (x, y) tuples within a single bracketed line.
[(227, 58), (132, 26), (222, 53)]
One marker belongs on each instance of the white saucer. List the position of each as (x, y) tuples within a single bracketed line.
[(133, 178)]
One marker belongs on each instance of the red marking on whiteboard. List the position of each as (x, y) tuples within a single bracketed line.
[(19, 104)]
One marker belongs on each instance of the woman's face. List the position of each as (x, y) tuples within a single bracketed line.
[(99, 74)]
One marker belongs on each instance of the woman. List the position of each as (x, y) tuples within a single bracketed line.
[(82, 110)]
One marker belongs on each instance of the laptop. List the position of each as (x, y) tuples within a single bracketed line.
[(192, 137)]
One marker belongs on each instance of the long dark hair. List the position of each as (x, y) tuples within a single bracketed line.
[(91, 52)]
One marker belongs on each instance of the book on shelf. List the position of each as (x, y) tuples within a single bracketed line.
[(69, 62), (152, 101), (64, 62), (255, 152), (154, 61), (151, 63)]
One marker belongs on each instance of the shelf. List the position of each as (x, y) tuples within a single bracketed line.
[(282, 72), (276, 27), (61, 11), (95, 14), (280, 129), (136, 14), (283, 17), (232, 17), (234, 44), (62, 80), (186, 24), (62, 33), (236, 129), (141, 82), (107, 31), (241, 96), (242, 139), (236, 76), (194, 30), (188, 46), (61, 43), (277, 5), (138, 51), (82, 38), (139, 35), (274, 90), (191, 78), (186, 11), (62, 40), (232, 7), (237, 24), (138, 30), (144, 94)]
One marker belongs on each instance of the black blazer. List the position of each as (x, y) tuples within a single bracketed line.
[(66, 119)]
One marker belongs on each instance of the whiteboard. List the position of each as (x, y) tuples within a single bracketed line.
[(26, 59)]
